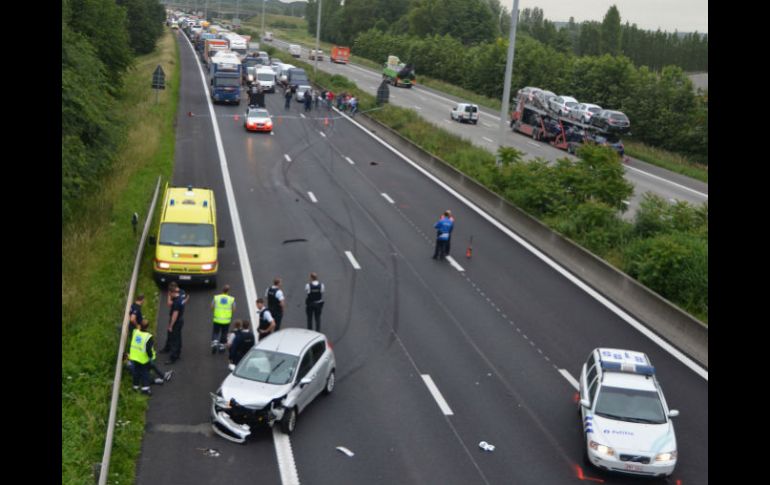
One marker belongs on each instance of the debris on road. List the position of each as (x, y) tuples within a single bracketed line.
[(209, 451), (345, 450), (486, 446)]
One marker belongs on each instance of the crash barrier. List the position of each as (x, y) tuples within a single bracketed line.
[(104, 467), (676, 326)]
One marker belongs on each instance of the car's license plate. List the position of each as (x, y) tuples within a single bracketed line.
[(635, 468), (185, 277)]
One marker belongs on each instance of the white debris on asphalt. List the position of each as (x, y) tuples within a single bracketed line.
[(345, 450), (486, 446)]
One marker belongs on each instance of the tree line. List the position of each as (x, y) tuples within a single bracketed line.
[(99, 41)]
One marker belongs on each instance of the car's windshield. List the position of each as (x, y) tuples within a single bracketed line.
[(570, 104), (177, 234), (227, 81), (630, 405), (265, 76), (470, 109), (594, 110), (266, 366), (618, 116)]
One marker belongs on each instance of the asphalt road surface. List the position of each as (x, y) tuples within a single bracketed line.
[(434, 107), (495, 333)]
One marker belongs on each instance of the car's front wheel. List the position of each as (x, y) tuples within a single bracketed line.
[(330, 381), (289, 421)]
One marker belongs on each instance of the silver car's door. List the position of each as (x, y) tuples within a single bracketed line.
[(305, 394)]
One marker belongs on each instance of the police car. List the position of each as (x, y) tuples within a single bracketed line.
[(626, 421)]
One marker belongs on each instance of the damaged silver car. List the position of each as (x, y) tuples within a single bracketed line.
[(273, 383)]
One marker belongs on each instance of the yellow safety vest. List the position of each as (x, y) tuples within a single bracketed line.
[(138, 352), (223, 309)]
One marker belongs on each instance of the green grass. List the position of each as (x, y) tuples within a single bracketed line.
[(670, 161), (98, 251), (464, 94)]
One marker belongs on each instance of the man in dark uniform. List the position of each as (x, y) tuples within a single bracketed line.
[(244, 340), (276, 302), (314, 302), (265, 323), (175, 325)]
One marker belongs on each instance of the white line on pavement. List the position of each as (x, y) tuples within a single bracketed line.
[(350, 161), (322, 134), (487, 125), (387, 197), (302, 115), (533, 144), (454, 264), (437, 395), (418, 108), (487, 139), (681, 357), (285, 457), (312, 197), (288, 159), (352, 260), (570, 379), (668, 181)]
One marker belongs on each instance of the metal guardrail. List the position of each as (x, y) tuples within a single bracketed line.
[(103, 471)]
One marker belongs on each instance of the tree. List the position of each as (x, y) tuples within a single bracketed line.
[(589, 40), (610, 32), (145, 23)]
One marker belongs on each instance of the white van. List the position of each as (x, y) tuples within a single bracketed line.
[(266, 79), (465, 112), (295, 50)]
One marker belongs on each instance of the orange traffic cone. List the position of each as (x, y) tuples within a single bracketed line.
[(326, 121), (236, 117), (469, 251)]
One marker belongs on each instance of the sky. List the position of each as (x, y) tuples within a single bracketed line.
[(668, 15)]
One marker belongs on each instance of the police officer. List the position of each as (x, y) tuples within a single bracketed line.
[(265, 323), (140, 354), (276, 302), (253, 91), (176, 324), (223, 306), (243, 341), (314, 301)]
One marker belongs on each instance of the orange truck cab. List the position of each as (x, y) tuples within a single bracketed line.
[(340, 54)]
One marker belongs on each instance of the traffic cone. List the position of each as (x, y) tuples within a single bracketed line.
[(236, 117), (326, 121), (469, 252), (190, 113)]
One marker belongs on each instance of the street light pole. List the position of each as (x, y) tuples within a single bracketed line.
[(317, 38), (263, 18), (507, 86)]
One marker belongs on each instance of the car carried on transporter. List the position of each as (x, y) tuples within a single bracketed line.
[(186, 242), (273, 383), (626, 422)]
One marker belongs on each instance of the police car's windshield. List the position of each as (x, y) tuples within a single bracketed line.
[(266, 366), (630, 405), (176, 234)]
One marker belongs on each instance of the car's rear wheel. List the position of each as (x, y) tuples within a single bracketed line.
[(289, 421), (330, 381)]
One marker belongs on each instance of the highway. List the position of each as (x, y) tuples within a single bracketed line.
[(497, 335), (434, 107)]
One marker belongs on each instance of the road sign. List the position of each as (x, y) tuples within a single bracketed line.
[(158, 78)]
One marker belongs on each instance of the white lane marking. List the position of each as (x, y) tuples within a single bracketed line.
[(487, 125), (350, 161), (418, 108), (454, 264), (286, 464), (447, 121), (437, 395), (288, 159), (570, 379), (533, 144), (668, 181), (487, 139), (692, 365), (312, 197), (322, 134), (387, 197), (302, 115), (352, 260)]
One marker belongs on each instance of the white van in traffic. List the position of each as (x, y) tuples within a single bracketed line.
[(295, 50), (266, 79), (465, 112)]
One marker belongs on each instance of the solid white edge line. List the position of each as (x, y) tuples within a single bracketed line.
[(547, 260), (285, 457), (387, 197), (312, 197), (287, 157), (352, 260), (668, 181), (350, 161), (437, 395), (570, 379), (454, 264)]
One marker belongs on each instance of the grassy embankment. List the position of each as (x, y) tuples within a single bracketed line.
[(98, 251), (294, 29)]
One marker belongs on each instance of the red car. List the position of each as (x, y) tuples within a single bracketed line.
[(258, 119)]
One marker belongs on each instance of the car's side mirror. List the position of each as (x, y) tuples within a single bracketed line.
[(221, 243), (673, 413), (585, 403), (305, 381), (231, 367), (151, 240)]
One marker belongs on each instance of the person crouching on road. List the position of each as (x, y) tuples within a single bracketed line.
[(140, 354), (223, 306), (265, 322), (242, 343)]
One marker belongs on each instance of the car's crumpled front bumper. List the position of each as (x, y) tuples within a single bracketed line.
[(225, 426)]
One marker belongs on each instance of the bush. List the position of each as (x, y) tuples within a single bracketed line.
[(657, 216), (595, 226)]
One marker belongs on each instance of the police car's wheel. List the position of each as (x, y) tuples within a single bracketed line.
[(289, 421), (330, 381)]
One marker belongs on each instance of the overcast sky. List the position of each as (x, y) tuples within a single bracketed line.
[(669, 15)]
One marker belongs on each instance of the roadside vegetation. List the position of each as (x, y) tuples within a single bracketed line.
[(98, 242), (664, 248)]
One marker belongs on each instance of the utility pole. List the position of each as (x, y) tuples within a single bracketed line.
[(263, 18), (507, 86), (317, 38)]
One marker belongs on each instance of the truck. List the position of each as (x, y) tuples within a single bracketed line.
[(237, 43), (226, 86), (201, 39), (339, 54), (397, 73), (211, 46)]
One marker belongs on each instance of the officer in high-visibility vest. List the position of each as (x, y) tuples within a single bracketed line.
[(140, 353), (223, 306)]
